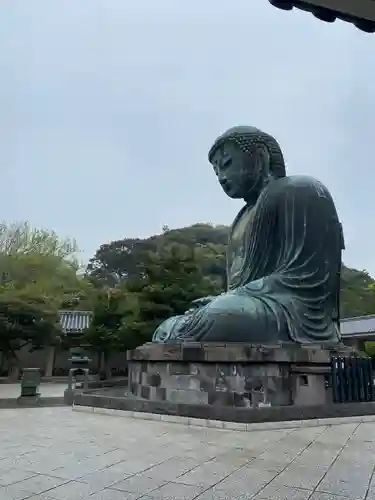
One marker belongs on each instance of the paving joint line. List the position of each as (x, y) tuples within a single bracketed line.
[(333, 462), (369, 483)]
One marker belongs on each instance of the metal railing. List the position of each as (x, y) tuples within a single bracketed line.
[(352, 380)]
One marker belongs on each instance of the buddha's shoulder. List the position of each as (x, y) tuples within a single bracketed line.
[(300, 184)]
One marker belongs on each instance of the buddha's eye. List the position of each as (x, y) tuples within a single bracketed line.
[(227, 161)]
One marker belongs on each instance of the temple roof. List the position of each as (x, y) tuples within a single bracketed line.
[(74, 321), (361, 13), (358, 326)]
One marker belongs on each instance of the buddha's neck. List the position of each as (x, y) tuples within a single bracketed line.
[(251, 199), (253, 195)]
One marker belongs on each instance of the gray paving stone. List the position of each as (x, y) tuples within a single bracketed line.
[(174, 491), (271, 492), (337, 434), (357, 472), (40, 496), (281, 458), (300, 476), (13, 492), (371, 494), (207, 474), (72, 490), (352, 488), (266, 465), (327, 496), (171, 469), (10, 476), (217, 494), (40, 483), (139, 483), (47, 466), (246, 481), (238, 456), (73, 471), (102, 479), (110, 494), (318, 454), (136, 466)]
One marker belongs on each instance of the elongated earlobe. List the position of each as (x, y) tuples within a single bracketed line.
[(262, 164)]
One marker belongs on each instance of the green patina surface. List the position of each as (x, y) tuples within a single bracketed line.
[(284, 253)]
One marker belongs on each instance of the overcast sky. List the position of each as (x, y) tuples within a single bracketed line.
[(108, 109)]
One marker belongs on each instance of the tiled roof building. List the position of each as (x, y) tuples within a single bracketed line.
[(75, 321)]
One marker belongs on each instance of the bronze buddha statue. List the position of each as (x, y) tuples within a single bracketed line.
[(284, 253)]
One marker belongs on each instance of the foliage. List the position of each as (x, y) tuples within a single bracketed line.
[(38, 276), (23, 238), (370, 349), (357, 293), (170, 281), (119, 260), (162, 284), (103, 334), (38, 262), (26, 319)]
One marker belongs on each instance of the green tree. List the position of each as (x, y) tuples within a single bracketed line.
[(357, 293), (169, 282), (21, 237), (118, 261), (38, 262), (104, 333), (26, 320)]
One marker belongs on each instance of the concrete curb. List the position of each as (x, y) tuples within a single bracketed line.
[(11, 403), (218, 424)]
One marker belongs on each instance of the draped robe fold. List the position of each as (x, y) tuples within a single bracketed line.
[(283, 273)]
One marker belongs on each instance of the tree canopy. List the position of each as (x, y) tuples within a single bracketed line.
[(120, 260), (38, 276), (26, 320)]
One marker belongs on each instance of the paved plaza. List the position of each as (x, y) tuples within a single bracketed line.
[(58, 454)]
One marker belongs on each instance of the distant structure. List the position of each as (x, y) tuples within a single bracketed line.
[(358, 330), (361, 13), (74, 322)]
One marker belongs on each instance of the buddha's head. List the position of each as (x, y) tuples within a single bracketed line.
[(245, 159)]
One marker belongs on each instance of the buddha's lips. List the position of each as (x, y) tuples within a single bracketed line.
[(226, 185)]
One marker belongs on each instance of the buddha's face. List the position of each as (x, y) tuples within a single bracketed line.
[(232, 167)]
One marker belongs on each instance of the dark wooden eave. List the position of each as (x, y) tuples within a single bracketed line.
[(360, 13)]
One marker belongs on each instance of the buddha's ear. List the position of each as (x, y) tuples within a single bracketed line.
[(262, 162)]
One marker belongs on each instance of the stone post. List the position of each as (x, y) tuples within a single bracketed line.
[(78, 374), (29, 385)]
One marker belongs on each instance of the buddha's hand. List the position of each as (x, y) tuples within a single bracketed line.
[(203, 301)]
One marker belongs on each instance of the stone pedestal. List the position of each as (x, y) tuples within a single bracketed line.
[(30, 382), (233, 375)]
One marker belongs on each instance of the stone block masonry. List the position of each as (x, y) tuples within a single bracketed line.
[(233, 375)]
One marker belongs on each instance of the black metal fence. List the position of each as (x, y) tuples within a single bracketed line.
[(352, 380)]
